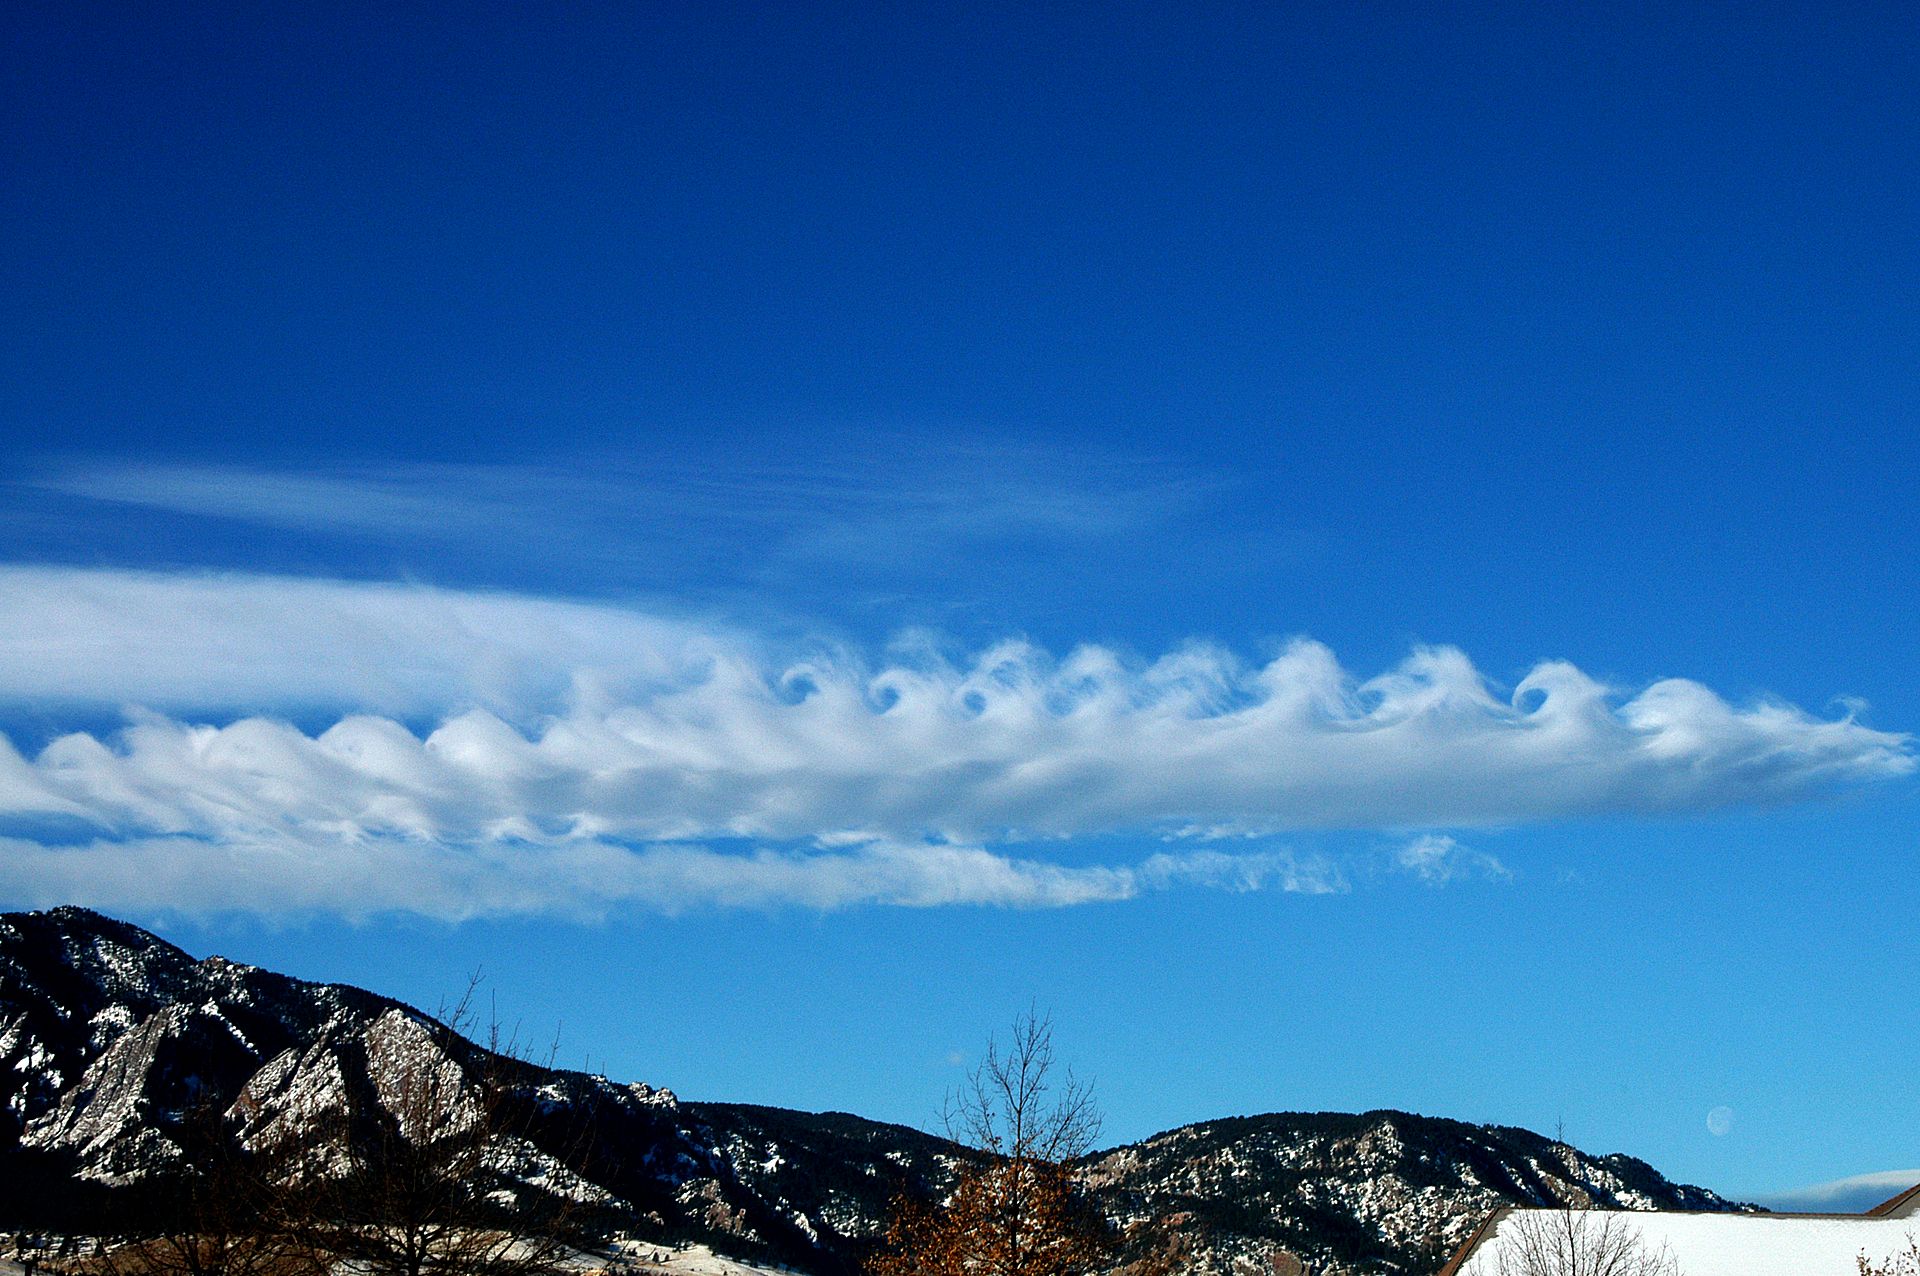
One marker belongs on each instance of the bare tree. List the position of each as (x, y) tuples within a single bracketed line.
[(413, 1182), (1904, 1262), (413, 1175), (1015, 1209), (1575, 1242), (222, 1215), (1015, 1104)]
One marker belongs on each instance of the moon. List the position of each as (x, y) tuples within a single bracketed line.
[(1719, 1121)]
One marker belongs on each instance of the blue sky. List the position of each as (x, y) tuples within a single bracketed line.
[(1361, 556)]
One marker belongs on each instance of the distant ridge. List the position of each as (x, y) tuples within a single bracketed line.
[(109, 1034)]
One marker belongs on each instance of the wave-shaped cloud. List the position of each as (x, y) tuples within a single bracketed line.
[(564, 734)]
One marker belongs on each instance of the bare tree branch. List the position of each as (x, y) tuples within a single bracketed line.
[(1575, 1242), (1016, 1210), (1013, 1105), (418, 1188), (1904, 1262)]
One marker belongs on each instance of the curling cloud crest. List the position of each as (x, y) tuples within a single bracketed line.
[(572, 755)]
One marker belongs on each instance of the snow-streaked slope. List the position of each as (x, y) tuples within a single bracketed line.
[(1373, 1192), (109, 1037)]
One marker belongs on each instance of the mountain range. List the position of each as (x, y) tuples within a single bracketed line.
[(110, 1037)]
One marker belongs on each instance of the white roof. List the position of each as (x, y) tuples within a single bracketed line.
[(1733, 1244)]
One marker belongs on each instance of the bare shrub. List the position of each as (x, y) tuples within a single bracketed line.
[(1904, 1262), (1576, 1242), (416, 1187), (1015, 1209)]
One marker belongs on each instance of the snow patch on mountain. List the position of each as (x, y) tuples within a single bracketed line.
[(110, 1039)]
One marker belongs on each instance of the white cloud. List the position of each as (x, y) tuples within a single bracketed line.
[(584, 744), (211, 642), (1851, 1195), (415, 501), (366, 876), (1437, 859), (876, 503)]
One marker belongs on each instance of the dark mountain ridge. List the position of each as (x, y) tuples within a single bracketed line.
[(110, 1037)]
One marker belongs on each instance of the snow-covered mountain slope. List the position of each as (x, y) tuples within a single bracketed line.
[(1369, 1192), (110, 1037)]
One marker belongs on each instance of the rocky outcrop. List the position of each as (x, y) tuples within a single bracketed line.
[(111, 1039)]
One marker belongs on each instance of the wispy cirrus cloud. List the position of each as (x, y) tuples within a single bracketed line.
[(966, 490), (1437, 859), (588, 879), (586, 743), (883, 507), (414, 500)]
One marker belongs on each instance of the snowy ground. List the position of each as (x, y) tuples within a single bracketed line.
[(627, 1258), (1742, 1244), (640, 1257)]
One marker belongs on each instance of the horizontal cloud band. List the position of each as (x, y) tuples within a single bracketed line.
[(589, 879), (607, 729)]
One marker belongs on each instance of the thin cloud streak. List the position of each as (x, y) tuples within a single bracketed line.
[(588, 880), (887, 504), (398, 503)]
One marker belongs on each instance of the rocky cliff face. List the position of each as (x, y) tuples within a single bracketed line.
[(1372, 1192), (110, 1037)]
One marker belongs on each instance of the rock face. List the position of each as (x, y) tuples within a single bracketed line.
[(110, 1037), (1372, 1192)]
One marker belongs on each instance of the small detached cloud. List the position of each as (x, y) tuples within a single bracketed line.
[(1437, 859), (487, 753)]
